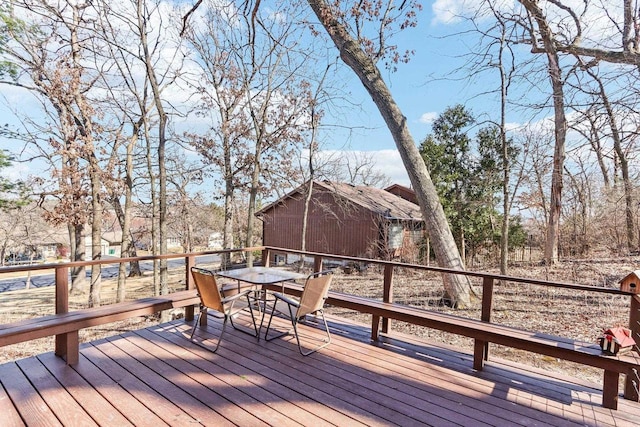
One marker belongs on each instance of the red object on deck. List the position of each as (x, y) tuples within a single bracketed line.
[(616, 339)]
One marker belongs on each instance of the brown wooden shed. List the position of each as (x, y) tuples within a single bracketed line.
[(346, 220), (404, 192)]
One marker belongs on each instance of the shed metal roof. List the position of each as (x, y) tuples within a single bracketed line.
[(377, 200)]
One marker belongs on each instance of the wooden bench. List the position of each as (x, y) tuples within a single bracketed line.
[(65, 326), (583, 353)]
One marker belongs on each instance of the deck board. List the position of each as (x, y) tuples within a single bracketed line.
[(153, 400), (7, 409), (61, 403), (31, 406), (95, 405), (155, 377), (329, 387), (132, 409), (228, 371)]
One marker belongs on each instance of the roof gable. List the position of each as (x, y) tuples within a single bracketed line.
[(376, 200)]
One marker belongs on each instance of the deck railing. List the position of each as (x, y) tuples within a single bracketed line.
[(62, 270)]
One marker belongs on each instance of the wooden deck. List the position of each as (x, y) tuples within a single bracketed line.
[(155, 377)]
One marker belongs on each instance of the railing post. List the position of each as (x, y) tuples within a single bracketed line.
[(266, 255), (189, 310), (67, 345), (481, 348), (375, 327), (632, 380), (317, 263), (387, 294)]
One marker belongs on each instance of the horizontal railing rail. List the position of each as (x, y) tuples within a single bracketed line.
[(61, 271)]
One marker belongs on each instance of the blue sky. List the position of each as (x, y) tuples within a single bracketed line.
[(418, 87), (423, 88)]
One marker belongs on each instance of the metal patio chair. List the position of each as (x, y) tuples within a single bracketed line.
[(222, 307), (311, 301)]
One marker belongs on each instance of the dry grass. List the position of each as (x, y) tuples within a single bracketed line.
[(562, 312)]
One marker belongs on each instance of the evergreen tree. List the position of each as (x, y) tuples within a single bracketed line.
[(11, 192), (467, 174)]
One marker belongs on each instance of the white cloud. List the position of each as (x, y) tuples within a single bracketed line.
[(390, 163), (16, 172), (428, 118), (447, 11), (450, 12)]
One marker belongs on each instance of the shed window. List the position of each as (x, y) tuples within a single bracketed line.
[(395, 236)]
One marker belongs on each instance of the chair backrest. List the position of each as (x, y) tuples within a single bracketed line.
[(314, 293), (207, 286)]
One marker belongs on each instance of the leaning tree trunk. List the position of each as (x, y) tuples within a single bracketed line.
[(457, 288)]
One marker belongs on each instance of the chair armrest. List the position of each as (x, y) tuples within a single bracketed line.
[(236, 296), (286, 299)]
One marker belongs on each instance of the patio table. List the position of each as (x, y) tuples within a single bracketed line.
[(259, 276)]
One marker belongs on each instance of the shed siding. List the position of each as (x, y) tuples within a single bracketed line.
[(334, 226)]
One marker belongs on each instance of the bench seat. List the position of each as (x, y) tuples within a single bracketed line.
[(65, 326), (584, 353)]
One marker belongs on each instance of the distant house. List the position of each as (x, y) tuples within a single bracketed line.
[(345, 220), (110, 244), (215, 241)]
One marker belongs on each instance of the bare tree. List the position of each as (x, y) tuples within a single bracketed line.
[(183, 201), (537, 174), (592, 126), (129, 104), (256, 98), (542, 30), (65, 31), (621, 154), (219, 88), (360, 53), (359, 168), (160, 74), (572, 37)]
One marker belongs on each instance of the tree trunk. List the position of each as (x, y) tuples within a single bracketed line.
[(251, 209), (84, 123), (162, 141), (506, 167), (124, 216), (76, 250), (96, 234), (624, 164), (305, 213), (154, 211), (555, 75), (457, 288), (228, 206)]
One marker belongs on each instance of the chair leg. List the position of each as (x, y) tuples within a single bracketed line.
[(273, 310), (327, 340), (197, 321), (224, 327), (253, 319)]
